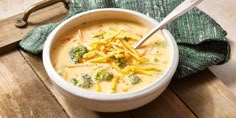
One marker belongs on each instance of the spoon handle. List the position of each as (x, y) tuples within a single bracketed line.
[(177, 12)]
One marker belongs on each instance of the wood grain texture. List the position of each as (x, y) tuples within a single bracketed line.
[(10, 35), (206, 96), (22, 94), (167, 105)]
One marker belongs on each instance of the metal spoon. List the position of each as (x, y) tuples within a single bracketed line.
[(177, 12)]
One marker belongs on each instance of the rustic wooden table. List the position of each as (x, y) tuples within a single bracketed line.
[(26, 91)]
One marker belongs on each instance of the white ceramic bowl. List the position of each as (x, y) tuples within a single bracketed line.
[(101, 101)]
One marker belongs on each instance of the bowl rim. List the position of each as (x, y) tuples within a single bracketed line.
[(59, 81)]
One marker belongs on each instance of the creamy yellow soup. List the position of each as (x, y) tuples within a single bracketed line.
[(99, 56)]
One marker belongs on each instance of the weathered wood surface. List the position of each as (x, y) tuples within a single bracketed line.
[(10, 35), (22, 94), (206, 95), (167, 105)]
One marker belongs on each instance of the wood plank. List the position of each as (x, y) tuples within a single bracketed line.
[(10, 34), (206, 95), (73, 110), (22, 94), (166, 105)]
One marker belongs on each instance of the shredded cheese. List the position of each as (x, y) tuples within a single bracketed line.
[(98, 86), (89, 54), (129, 47), (109, 46), (80, 35), (116, 67), (101, 59), (114, 84)]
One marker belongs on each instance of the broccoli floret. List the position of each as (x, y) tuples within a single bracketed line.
[(134, 79), (76, 54), (85, 81), (126, 38), (121, 62), (74, 81), (101, 75)]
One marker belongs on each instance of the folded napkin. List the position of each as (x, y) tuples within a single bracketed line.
[(201, 41)]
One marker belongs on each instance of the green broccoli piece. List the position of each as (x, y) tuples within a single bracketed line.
[(76, 54), (121, 62), (125, 38), (101, 75), (74, 81), (85, 81), (134, 79)]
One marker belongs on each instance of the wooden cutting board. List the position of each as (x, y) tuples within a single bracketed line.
[(26, 90)]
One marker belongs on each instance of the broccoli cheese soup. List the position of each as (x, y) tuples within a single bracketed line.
[(99, 56)]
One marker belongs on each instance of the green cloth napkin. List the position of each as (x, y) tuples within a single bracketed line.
[(201, 41)]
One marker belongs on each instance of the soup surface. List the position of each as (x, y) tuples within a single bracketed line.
[(99, 56)]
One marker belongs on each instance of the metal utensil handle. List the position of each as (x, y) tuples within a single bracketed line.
[(22, 22), (177, 12)]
